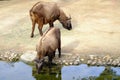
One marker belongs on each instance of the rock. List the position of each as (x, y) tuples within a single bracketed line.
[(71, 63), (107, 57), (77, 60), (103, 63), (76, 63), (28, 56), (94, 62), (92, 56), (66, 63), (82, 59), (89, 62), (119, 65), (99, 63), (115, 62), (109, 63)]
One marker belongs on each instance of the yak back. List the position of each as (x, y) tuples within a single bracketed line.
[(49, 42), (47, 10)]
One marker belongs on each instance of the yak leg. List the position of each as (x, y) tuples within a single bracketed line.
[(40, 27), (53, 54), (50, 61), (59, 45), (33, 28), (59, 50), (40, 30)]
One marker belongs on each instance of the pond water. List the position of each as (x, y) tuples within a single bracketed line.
[(22, 71)]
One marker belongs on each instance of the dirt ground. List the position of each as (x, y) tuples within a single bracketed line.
[(96, 26)]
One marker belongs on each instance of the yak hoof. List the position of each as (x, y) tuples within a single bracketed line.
[(31, 36)]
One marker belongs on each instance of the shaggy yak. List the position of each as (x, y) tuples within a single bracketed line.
[(47, 45), (48, 12)]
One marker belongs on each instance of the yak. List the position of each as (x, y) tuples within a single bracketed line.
[(47, 45), (46, 13)]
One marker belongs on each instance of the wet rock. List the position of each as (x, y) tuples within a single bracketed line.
[(28, 56), (82, 59), (76, 63), (71, 63), (119, 65), (92, 56), (94, 62), (89, 62), (107, 58), (66, 63), (99, 63), (115, 62)]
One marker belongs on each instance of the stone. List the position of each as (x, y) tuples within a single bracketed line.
[(119, 65), (107, 57), (28, 56), (99, 63), (76, 63), (71, 63), (92, 56), (82, 59), (66, 63), (94, 62), (89, 62), (114, 63)]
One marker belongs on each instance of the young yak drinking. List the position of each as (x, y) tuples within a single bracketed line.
[(47, 46), (46, 13)]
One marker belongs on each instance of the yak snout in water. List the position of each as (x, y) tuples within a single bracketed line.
[(39, 64)]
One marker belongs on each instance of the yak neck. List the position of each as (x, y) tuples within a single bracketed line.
[(62, 16)]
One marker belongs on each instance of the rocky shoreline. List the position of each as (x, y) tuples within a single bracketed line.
[(92, 60), (66, 59)]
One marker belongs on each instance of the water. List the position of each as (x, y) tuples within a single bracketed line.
[(85, 72), (22, 71), (15, 71)]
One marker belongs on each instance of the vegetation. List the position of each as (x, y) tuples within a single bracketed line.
[(48, 74), (108, 74)]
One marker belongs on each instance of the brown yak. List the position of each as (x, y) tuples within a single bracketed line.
[(48, 12), (47, 45)]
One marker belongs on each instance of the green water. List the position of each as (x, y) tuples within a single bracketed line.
[(22, 71)]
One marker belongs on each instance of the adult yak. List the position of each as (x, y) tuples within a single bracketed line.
[(48, 12), (47, 45)]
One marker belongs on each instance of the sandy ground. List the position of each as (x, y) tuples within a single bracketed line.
[(96, 26)]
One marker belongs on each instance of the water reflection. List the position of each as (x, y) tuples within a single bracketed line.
[(84, 72), (46, 74), (22, 71), (116, 70), (15, 71), (81, 71)]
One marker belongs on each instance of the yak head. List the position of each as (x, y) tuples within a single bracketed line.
[(39, 64), (67, 23)]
